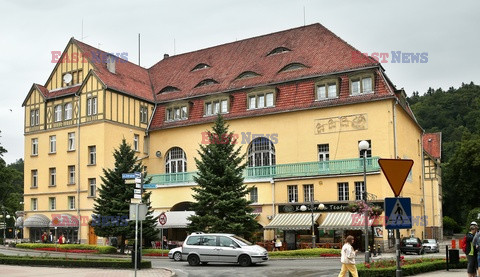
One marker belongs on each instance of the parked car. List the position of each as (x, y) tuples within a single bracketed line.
[(225, 248), (175, 254), (411, 244), (431, 245)]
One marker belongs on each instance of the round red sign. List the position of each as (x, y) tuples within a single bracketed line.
[(162, 219)]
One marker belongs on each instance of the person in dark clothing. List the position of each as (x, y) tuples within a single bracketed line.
[(471, 252)]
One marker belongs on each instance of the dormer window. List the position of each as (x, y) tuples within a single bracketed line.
[(261, 99), (200, 66), (168, 89), (326, 89), (176, 112), (206, 82), (246, 75), (292, 66), (279, 50), (361, 84)]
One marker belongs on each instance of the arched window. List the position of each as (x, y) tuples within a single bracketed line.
[(175, 160), (261, 152)]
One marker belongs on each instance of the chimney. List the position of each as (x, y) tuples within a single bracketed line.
[(111, 61), (165, 56)]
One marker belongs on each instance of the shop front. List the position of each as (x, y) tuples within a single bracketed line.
[(294, 229), (37, 224)]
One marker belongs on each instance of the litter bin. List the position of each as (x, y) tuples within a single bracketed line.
[(139, 257), (454, 255)]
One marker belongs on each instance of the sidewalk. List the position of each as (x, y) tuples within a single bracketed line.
[(23, 271)]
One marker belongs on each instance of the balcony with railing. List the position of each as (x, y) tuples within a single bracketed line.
[(305, 169)]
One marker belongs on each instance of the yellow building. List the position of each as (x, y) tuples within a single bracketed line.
[(299, 101)]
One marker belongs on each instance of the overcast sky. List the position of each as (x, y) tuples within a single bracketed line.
[(29, 30)]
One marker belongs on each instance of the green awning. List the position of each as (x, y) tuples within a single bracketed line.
[(292, 221), (344, 221)]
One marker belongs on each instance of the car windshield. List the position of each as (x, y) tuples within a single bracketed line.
[(428, 241), (411, 240), (242, 241)]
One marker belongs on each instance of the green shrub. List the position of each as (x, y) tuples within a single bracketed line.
[(100, 249), (71, 262), (156, 251), (316, 252), (425, 265)]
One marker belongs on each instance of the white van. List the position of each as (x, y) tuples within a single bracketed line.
[(224, 248)]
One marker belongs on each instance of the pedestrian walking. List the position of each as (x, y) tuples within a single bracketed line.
[(471, 252), (348, 258), (277, 244), (476, 244)]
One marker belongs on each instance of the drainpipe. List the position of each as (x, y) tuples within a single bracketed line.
[(273, 201), (395, 129), (78, 168), (422, 183)]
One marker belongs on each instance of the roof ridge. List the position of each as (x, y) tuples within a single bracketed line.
[(241, 40)]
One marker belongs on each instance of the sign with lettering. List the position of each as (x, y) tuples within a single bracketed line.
[(337, 207)]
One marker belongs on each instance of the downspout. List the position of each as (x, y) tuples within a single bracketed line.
[(273, 202), (395, 129), (422, 183), (78, 168)]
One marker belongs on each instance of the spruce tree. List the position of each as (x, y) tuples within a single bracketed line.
[(113, 202), (221, 204)]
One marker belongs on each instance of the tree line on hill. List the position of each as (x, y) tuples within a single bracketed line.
[(456, 114)]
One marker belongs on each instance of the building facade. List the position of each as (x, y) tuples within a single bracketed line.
[(299, 102)]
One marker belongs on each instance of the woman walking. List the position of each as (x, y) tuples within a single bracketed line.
[(348, 258)]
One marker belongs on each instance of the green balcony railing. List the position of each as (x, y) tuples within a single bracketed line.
[(283, 170)]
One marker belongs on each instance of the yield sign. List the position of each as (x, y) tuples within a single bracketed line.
[(396, 171)]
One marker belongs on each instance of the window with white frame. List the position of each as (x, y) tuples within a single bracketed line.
[(92, 187), (53, 177), (92, 106), (136, 142), (175, 160), (34, 178), (176, 113), (261, 152), (361, 84), (143, 114), (260, 100), (68, 111), (253, 192), (92, 155), (34, 204), (359, 191), (71, 174), (71, 202), (34, 117), (292, 191), (34, 146), (53, 144), (58, 113), (71, 141), (308, 193), (323, 152), (52, 203), (326, 89), (343, 192), (214, 107)]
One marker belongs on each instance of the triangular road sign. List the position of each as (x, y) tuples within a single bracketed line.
[(398, 216), (396, 171)]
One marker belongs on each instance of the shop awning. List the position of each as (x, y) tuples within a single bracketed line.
[(37, 220), (19, 222), (291, 221), (175, 219), (344, 221), (64, 220)]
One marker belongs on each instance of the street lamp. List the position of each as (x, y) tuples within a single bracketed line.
[(304, 208), (5, 216), (363, 146)]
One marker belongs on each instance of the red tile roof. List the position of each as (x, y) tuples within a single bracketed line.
[(432, 144), (128, 77), (58, 92), (313, 46)]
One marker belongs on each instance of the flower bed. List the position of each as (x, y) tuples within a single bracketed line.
[(156, 254), (76, 247), (70, 262), (67, 250), (384, 268), (315, 252)]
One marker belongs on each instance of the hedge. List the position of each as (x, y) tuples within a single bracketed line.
[(409, 270), (70, 262), (100, 249), (316, 252)]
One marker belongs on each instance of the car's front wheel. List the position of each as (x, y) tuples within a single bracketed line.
[(177, 256), (244, 260), (193, 260)]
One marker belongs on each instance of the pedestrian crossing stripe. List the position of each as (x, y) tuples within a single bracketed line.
[(399, 213)]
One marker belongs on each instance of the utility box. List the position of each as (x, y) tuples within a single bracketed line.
[(454, 256)]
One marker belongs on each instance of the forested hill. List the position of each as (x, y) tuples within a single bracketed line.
[(455, 113)]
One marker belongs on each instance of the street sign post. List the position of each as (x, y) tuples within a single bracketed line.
[(396, 171), (162, 219)]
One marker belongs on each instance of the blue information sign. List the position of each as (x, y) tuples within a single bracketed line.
[(128, 175), (398, 212)]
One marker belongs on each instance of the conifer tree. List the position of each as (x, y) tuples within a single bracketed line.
[(113, 202), (220, 194)]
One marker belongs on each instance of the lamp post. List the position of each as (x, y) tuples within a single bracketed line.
[(312, 207), (5, 216), (363, 146)]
